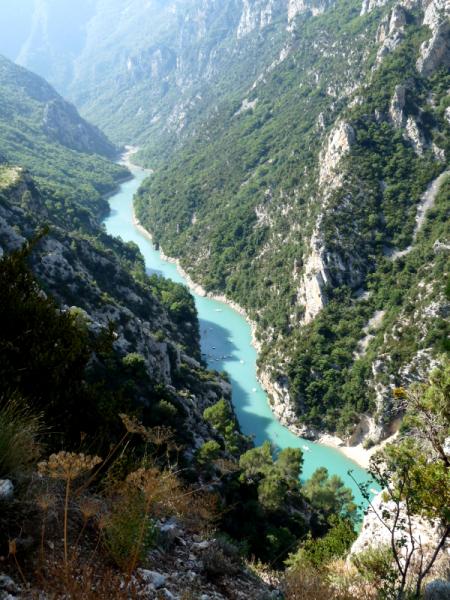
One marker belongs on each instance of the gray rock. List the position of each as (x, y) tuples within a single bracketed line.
[(8, 585), (6, 489), (157, 580), (171, 530), (437, 590), (201, 545)]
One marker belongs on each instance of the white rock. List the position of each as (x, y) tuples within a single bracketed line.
[(157, 580), (339, 143), (374, 534), (369, 5), (447, 447), (6, 491), (315, 7)]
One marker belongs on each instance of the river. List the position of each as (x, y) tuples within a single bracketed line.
[(226, 345)]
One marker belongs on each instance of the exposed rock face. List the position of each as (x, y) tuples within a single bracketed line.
[(436, 51), (374, 534), (397, 105), (255, 15), (316, 7), (315, 277), (369, 5), (339, 143), (62, 124), (390, 32)]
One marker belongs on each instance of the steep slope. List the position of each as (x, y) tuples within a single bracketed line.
[(161, 65), (44, 133), (299, 202), (92, 272)]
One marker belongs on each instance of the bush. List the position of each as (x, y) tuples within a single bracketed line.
[(122, 528), (20, 429), (208, 452)]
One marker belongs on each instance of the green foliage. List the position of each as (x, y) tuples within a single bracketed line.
[(274, 477), (334, 544), (208, 452), (329, 494), (415, 476), (224, 421), (65, 171), (376, 566), (241, 166), (123, 526)]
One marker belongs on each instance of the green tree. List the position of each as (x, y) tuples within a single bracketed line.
[(208, 452), (415, 475), (273, 477), (329, 494)]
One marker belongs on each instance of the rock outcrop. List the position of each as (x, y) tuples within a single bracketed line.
[(375, 534), (435, 51)]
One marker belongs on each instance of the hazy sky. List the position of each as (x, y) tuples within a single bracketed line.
[(15, 24)]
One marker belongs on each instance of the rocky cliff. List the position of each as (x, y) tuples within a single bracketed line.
[(324, 168), (90, 276)]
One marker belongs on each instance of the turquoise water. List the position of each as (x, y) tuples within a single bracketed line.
[(226, 345)]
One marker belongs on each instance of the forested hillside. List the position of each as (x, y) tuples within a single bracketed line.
[(103, 391), (301, 202), (42, 132)]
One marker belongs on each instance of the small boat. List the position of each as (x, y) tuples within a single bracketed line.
[(254, 390), (306, 448), (242, 362), (373, 491), (218, 309), (213, 347)]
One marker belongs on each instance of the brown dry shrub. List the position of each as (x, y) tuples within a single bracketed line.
[(89, 581), (337, 581)]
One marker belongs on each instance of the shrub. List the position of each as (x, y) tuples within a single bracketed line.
[(20, 430), (208, 452), (128, 530)]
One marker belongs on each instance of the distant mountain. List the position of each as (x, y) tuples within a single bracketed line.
[(39, 130), (45, 35)]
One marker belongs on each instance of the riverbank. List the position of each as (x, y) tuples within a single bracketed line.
[(282, 410), (277, 395), (196, 287), (125, 159)]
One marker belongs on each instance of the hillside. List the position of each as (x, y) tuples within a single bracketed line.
[(42, 132), (100, 365), (299, 202)]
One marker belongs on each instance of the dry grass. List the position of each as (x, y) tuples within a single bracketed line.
[(338, 581), (20, 430), (86, 582)]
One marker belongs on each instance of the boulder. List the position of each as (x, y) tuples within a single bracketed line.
[(437, 590), (6, 489)]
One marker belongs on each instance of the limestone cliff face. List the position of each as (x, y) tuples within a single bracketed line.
[(315, 7), (62, 123)]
